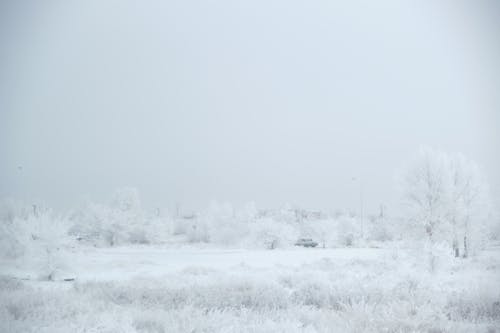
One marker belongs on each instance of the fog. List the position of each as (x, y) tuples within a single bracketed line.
[(307, 102)]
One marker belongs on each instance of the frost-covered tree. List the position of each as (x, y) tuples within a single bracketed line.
[(89, 224), (222, 224), (379, 227), (126, 218), (426, 195), (121, 222), (468, 206), (426, 190), (444, 194), (324, 231), (126, 199), (248, 213)]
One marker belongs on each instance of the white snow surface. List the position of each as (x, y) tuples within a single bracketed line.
[(123, 263)]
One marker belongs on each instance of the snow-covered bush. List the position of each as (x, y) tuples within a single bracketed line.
[(38, 242), (270, 234), (288, 214), (90, 225), (11, 209), (11, 244), (348, 230), (181, 226), (159, 228), (198, 231), (324, 232), (248, 213), (125, 217), (380, 229), (222, 225)]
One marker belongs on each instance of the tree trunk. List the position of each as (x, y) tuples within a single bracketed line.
[(432, 261), (456, 248), (466, 251)]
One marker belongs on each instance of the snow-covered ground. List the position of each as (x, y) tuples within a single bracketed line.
[(158, 289), (153, 261)]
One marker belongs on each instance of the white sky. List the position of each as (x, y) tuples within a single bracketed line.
[(271, 101)]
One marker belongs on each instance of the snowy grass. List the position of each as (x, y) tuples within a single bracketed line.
[(384, 293)]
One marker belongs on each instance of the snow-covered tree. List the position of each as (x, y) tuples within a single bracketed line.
[(426, 195), (222, 224), (248, 213), (121, 222), (379, 227), (126, 199), (444, 194), (126, 219), (468, 207), (426, 190)]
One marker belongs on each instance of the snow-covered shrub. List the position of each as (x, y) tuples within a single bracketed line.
[(138, 236), (348, 229), (324, 232), (37, 242), (475, 303), (248, 213), (11, 209), (380, 229), (125, 218), (288, 214), (14, 234), (99, 225), (226, 231), (221, 224), (312, 293), (157, 228), (89, 225), (11, 244), (270, 234), (149, 325), (180, 226), (197, 231)]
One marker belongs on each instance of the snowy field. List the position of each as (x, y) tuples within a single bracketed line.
[(158, 289), (249, 166)]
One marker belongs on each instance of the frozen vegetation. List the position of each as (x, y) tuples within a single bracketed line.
[(303, 290), (118, 267)]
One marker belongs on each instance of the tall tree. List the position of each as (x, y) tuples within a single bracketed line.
[(469, 203), (445, 194)]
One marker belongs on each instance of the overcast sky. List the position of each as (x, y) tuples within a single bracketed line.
[(270, 101)]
